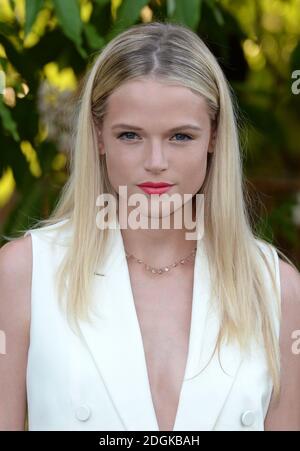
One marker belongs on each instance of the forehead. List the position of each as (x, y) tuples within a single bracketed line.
[(151, 98)]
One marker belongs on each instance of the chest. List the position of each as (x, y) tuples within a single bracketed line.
[(163, 307)]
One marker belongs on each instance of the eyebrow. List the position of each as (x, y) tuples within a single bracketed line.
[(180, 127)]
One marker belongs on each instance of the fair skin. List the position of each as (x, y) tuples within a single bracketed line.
[(15, 288), (285, 414), (154, 155)]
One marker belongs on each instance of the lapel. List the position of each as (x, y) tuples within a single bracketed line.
[(115, 344)]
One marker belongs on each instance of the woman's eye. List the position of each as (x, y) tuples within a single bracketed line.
[(181, 134), (125, 134)]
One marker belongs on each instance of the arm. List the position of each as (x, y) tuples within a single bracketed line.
[(15, 299), (285, 414)]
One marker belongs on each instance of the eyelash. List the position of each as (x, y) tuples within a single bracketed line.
[(182, 134)]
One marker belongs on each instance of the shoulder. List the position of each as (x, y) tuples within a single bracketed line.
[(290, 319), (290, 308), (15, 276), (15, 289), (59, 232), (290, 285), (15, 257), (284, 414), (290, 305)]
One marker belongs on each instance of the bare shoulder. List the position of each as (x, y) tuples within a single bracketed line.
[(16, 266), (290, 283), (15, 281), (290, 299), (15, 302), (285, 413), (15, 255)]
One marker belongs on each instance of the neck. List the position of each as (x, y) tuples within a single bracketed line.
[(158, 247)]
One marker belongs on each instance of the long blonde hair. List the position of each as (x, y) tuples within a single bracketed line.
[(174, 54)]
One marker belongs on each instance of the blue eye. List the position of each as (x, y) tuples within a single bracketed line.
[(180, 134), (126, 133)]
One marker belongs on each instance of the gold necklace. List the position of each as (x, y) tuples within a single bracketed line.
[(164, 269)]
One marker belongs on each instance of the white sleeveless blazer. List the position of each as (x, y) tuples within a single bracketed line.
[(100, 382)]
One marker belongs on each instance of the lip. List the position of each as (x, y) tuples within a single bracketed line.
[(155, 184), (155, 190)]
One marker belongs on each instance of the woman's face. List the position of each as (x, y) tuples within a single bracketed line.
[(147, 149)]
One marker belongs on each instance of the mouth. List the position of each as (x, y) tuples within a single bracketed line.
[(155, 184), (156, 188)]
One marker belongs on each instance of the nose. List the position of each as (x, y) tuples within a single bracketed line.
[(155, 160)]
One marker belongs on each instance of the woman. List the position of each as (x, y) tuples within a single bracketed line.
[(147, 329)]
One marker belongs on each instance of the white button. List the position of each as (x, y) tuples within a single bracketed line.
[(83, 412), (248, 418)]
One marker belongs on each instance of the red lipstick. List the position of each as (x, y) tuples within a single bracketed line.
[(155, 187)]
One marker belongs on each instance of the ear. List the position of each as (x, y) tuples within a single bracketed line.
[(100, 140), (212, 141)]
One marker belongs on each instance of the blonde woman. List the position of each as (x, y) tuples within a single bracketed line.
[(131, 328)]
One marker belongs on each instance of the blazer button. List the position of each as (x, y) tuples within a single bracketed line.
[(83, 412), (248, 418)]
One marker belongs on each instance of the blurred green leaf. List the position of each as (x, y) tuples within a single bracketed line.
[(295, 58), (68, 14), (264, 121), (188, 16), (7, 29), (281, 221), (94, 40), (7, 121), (127, 14), (216, 11), (102, 2), (32, 8)]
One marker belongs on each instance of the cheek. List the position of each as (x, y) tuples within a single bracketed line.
[(115, 166), (120, 168), (193, 172)]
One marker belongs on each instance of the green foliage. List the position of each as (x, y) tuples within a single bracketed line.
[(32, 10), (8, 123), (189, 16), (68, 15)]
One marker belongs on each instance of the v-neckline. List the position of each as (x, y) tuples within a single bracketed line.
[(189, 350)]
